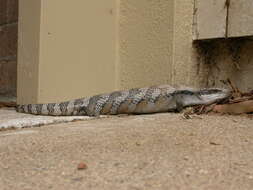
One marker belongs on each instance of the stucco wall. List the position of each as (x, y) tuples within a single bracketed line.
[(226, 58), (120, 44), (206, 63), (28, 51), (184, 66), (77, 49), (68, 52), (145, 42)]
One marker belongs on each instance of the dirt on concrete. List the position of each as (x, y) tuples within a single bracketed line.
[(160, 151)]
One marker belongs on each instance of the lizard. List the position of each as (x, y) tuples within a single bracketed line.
[(154, 99)]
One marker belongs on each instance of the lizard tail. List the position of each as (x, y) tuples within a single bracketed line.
[(54, 109)]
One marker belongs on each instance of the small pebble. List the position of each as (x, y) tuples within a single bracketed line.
[(82, 166)]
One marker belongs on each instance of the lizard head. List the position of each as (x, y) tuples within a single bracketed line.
[(201, 97), (212, 95)]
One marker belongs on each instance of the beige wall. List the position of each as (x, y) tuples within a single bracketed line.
[(28, 51), (145, 43), (70, 52), (206, 63), (98, 47), (156, 46), (77, 49), (240, 18), (183, 64), (89, 47)]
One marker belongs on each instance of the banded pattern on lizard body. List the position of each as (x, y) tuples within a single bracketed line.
[(153, 99)]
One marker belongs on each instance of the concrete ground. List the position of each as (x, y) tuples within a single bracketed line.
[(160, 151)]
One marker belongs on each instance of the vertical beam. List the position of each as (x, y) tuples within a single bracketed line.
[(28, 51), (209, 19), (240, 21), (67, 49)]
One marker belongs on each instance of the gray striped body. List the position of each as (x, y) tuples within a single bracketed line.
[(135, 101)]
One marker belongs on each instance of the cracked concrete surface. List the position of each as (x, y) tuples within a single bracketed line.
[(158, 151)]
